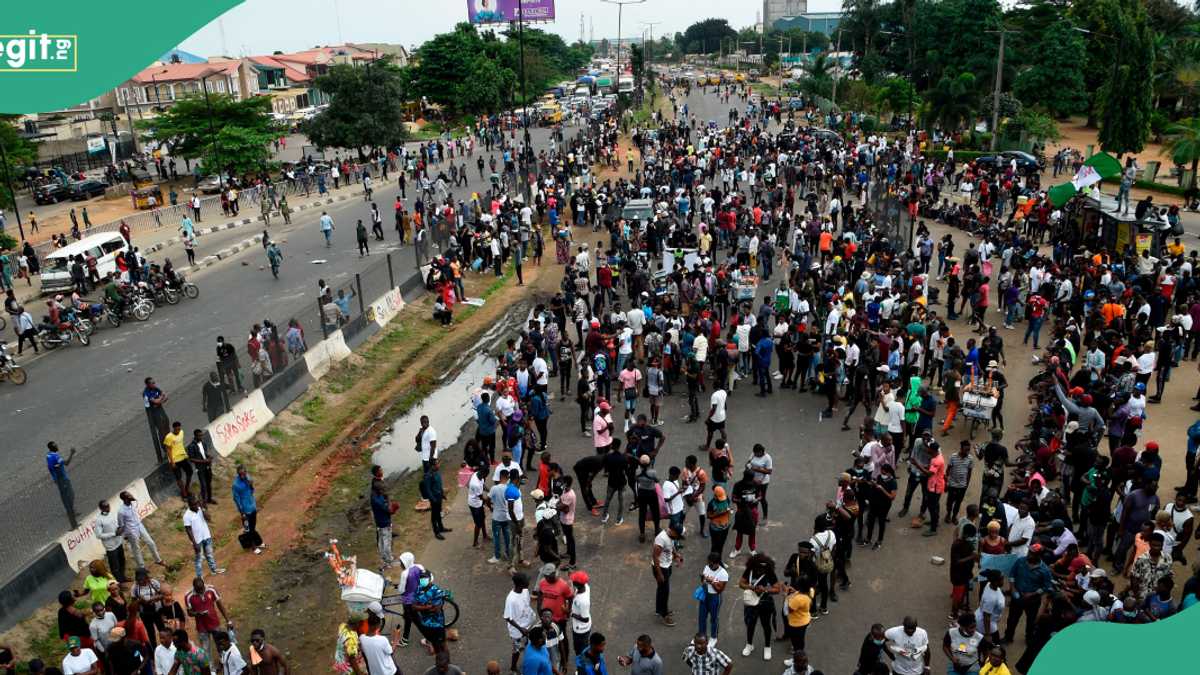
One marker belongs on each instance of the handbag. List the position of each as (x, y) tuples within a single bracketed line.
[(700, 593), (749, 597)]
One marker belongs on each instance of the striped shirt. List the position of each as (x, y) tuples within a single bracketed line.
[(711, 662), (958, 470)]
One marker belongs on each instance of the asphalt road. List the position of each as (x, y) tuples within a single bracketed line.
[(90, 397), (809, 455)]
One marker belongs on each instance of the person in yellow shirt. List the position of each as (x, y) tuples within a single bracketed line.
[(799, 615), (994, 664), (177, 457)]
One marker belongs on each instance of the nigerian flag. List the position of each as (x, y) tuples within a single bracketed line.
[(1097, 167), (1061, 194)]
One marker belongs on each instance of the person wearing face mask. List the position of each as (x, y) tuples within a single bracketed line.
[(870, 654)]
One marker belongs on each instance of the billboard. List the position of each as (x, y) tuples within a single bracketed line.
[(504, 11)]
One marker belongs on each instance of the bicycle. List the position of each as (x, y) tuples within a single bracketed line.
[(449, 606)]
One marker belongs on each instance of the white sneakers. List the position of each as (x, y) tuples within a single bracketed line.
[(749, 649), (493, 560), (734, 553)]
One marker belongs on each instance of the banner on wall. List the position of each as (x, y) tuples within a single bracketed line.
[(82, 545)]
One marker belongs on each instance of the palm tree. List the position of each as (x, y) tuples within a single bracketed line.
[(950, 101), (1183, 142)]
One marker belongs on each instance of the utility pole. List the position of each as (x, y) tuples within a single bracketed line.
[(837, 66), (527, 151), (12, 190), (996, 91), (647, 53), (620, 10)]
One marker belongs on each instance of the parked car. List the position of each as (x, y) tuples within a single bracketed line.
[(83, 190), (211, 185), (1025, 161), (50, 193)]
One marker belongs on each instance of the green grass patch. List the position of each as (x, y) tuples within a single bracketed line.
[(313, 409), (277, 433)]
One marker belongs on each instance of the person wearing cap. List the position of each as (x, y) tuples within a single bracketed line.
[(1030, 579), (580, 611), (80, 660)]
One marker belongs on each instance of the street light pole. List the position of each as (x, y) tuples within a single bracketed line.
[(996, 92), (11, 189), (211, 131), (620, 10), (525, 151), (837, 66)]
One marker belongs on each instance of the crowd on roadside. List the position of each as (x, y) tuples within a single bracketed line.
[(777, 275)]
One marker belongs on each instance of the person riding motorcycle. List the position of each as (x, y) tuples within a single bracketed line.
[(172, 279), (114, 296)]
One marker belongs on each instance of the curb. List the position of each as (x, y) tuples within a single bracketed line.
[(233, 224)]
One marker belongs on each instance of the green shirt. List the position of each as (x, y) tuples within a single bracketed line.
[(98, 587)]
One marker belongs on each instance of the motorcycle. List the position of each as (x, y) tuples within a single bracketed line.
[(51, 337), (79, 322), (9, 370), (184, 287)]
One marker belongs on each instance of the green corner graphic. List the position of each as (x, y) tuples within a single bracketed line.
[(1102, 648), (110, 44)]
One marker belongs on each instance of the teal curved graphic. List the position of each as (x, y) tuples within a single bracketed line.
[(1100, 648), (55, 55)]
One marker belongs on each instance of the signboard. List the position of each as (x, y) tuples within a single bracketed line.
[(1143, 242), (96, 145), (504, 11)]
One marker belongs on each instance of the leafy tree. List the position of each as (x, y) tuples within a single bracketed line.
[(897, 95), (20, 153), (1125, 98), (1183, 142), (1054, 79), (1036, 125), (818, 77), (1098, 17), (364, 108), (487, 88), (243, 131), (637, 64), (955, 36), (949, 101), (443, 62), (705, 36)]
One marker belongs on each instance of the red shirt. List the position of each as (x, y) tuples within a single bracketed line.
[(556, 597), (204, 605)]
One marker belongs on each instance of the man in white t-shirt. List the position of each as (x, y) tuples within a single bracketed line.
[(1020, 531), (78, 659), (581, 611), (672, 495), (195, 524), (164, 653), (908, 647), (716, 414), (476, 488), (427, 443), (518, 615), (377, 649), (662, 557)]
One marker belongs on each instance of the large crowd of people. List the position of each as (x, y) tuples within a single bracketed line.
[(751, 258)]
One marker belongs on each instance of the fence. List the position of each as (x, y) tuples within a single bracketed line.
[(107, 463), (172, 216)]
